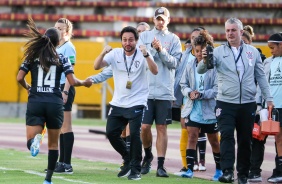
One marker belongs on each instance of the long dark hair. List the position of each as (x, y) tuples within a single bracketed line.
[(42, 47)]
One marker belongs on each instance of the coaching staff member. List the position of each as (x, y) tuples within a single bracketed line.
[(238, 65)]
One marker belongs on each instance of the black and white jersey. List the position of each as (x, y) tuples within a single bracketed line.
[(45, 86)]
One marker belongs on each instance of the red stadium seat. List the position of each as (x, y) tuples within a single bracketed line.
[(137, 4), (97, 33)]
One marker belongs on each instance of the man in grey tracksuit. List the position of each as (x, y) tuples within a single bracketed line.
[(237, 65), (165, 47)]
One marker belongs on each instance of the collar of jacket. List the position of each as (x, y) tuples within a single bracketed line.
[(160, 32), (228, 45)]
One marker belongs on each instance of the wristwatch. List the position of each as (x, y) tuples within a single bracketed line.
[(66, 92), (147, 55)]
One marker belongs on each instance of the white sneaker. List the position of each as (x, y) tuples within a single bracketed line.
[(196, 167), (35, 146), (202, 166)]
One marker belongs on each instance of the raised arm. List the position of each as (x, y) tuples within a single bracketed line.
[(172, 59), (153, 67), (99, 62)]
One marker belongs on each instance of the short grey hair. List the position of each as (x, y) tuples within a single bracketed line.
[(234, 20), (144, 24)]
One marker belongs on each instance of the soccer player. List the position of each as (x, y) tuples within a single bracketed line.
[(45, 102), (198, 111)]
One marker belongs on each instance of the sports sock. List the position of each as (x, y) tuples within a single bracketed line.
[(196, 153), (216, 157), (183, 146), (62, 149), (29, 142), (202, 143), (52, 159), (148, 152), (68, 146), (190, 158), (161, 162)]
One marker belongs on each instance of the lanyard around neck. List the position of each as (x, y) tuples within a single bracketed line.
[(240, 52), (128, 70)]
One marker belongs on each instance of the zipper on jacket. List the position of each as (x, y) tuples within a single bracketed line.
[(241, 81), (239, 75)]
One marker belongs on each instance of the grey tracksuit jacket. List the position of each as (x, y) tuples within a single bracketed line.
[(230, 88), (178, 74), (188, 84), (161, 86)]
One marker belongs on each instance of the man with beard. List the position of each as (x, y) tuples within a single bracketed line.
[(129, 65)]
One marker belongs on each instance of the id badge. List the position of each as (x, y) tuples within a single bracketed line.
[(128, 85)]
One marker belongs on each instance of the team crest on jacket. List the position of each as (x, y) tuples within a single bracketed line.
[(218, 112), (136, 64), (249, 55)]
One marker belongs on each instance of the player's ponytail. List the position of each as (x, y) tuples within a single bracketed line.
[(42, 47)]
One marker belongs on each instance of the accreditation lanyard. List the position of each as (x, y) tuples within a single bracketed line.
[(128, 70), (240, 52), (238, 57)]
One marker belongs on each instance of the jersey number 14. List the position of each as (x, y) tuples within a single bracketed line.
[(49, 79)]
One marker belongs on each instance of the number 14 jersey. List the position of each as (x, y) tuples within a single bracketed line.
[(45, 86)]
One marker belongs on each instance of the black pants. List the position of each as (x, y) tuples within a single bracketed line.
[(240, 117), (257, 155), (117, 120)]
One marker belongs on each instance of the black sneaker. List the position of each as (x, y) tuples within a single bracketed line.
[(161, 172), (134, 177), (276, 177), (254, 177), (227, 177), (57, 164), (243, 180), (146, 165), (68, 169), (125, 171), (63, 168), (60, 168)]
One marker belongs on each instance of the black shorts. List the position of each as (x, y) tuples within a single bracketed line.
[(158, 111), (38, 113), (176, 113), (71, 95), (204, 128), (280, 116)]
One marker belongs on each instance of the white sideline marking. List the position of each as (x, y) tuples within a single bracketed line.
[(41, 174)]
